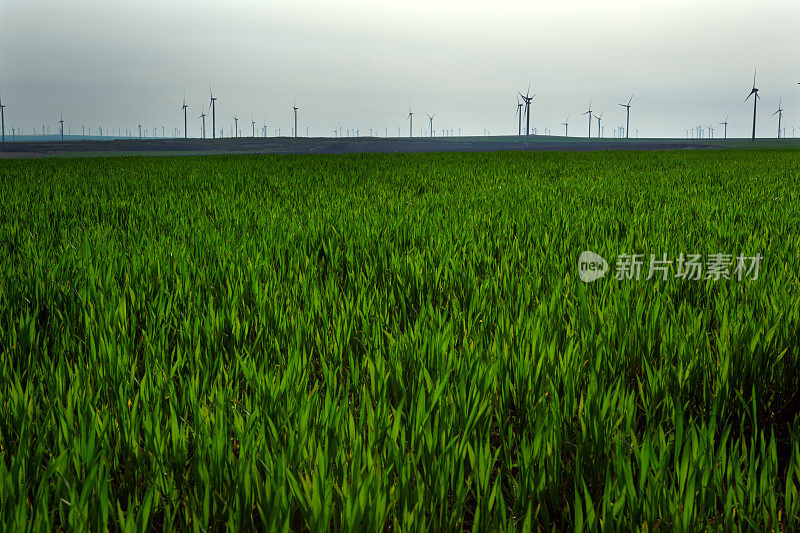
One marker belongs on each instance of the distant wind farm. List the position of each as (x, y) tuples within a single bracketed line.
[(523, 114)]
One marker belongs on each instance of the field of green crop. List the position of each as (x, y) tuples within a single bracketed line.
[(397, 342)]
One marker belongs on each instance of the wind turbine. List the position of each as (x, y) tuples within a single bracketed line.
[(184, 107), (62, 126), (599, 118), (779, 112), (589, 112), (410, 123), (3, 119), (235, 126), (213, 114), (295, 108), (203, 116), (754, 91), (566, 127), (430, 117), (519, 116), (628, 116), (527, 98), (140, 130), (726, 126), (253, 122)]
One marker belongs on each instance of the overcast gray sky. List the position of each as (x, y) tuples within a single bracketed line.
[(361, 63)]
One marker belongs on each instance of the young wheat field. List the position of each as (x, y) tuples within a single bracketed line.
[(398, 342)]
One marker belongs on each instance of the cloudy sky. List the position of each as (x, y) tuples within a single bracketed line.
[(362, 63)]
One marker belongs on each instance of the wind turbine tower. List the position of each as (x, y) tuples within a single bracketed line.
[(754, 91), (599, 118), (203, 116), (184, 107), (3, 119), (430, 118), (253, 122), (213, 114), (519, 117), (726, 126), (779, 112), (589, 112), (235, 126), (295, 108), (527, 99), (62, 126), (628, 116), (410, 123), (566, 127)]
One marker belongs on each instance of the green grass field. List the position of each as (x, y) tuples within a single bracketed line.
[(397, 342)]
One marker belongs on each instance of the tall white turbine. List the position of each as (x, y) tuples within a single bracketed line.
[(627, 116)]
